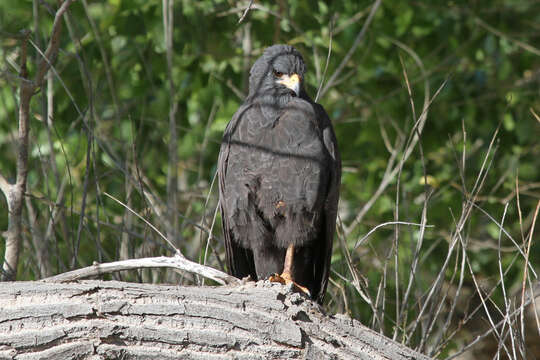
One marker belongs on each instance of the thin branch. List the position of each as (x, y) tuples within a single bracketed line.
[(176, 262), (145, 221), (263, 9), (395, 246), (526, 268), (356, 277), (389, 176), (4, 185), (172, 167), (488, 332), (327, 60), (435, 286), (413, 269), (105, 60), (357, 41), (52, 49), (15, 192), (239, 93), (438, 345), (86, 183), (360, 242), (245, 12), (507, 235), (506, 301), (521, 44), (535, 114)]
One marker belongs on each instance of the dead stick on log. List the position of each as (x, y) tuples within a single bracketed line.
[(176, 262)]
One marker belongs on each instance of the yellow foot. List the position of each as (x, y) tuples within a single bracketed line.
[(286, 279)]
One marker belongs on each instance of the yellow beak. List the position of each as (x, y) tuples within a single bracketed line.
[(292, 82)]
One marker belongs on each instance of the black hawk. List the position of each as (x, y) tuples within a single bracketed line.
[(279, 175)]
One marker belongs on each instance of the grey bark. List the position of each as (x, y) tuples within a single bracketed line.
[(118, 320)]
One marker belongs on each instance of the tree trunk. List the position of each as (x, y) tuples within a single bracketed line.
[(118, 320)]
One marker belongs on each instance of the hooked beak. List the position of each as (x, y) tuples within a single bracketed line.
[(292, 82)]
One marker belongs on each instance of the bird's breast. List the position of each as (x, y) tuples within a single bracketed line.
[(284, 162)]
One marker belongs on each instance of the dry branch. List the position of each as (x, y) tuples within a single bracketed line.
[(176, 262), (110, 320), (14, 193)]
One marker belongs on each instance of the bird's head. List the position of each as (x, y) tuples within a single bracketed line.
[(278, 74)]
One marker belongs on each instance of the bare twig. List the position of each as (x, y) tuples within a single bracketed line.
[(105, 59), (415, 133), (145, 221), (327, 61), (413, 268), (501, 273), (43, 257), (352, 20), (438, 345), (435, 286), (520, 250), (519, 43), (490, 331), (483, 298), (466, 212), (526, 268), (239, 93), (245, 12), (395, 247), (176, 262), (85, 187), (331, 82), (263, 9), (535, 114), (4, 184), (16, 191), (52, 49), (172, 178), (356, 277), (210, 236), (363, 238)]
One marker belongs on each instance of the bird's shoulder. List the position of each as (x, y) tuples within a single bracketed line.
[(321, 115), (233, 124), (329, 135)]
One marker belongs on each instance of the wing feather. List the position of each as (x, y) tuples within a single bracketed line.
[(322, 263), (239, 260)]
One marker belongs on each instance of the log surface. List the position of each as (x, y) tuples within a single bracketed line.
[(118, 320)]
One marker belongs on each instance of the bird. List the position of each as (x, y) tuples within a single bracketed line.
[(279, 173)]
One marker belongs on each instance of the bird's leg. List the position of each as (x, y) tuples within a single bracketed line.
[(287, 266), (286, 276)]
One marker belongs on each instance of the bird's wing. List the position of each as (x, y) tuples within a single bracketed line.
[(239, 260), (331, 204)]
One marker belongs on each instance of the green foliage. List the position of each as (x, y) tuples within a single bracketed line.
[(111, 88)]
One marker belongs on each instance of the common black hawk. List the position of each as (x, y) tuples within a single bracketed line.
[(279, 175)]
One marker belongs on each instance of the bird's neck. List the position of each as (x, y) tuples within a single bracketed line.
[(272, 106)]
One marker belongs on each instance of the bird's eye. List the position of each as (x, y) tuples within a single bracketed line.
[(278, 73)]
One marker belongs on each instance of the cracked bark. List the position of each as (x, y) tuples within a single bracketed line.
[(108, 320)]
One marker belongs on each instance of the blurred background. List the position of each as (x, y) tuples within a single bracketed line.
[(435, 105)]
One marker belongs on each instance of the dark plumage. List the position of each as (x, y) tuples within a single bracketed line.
[(279, 175)]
